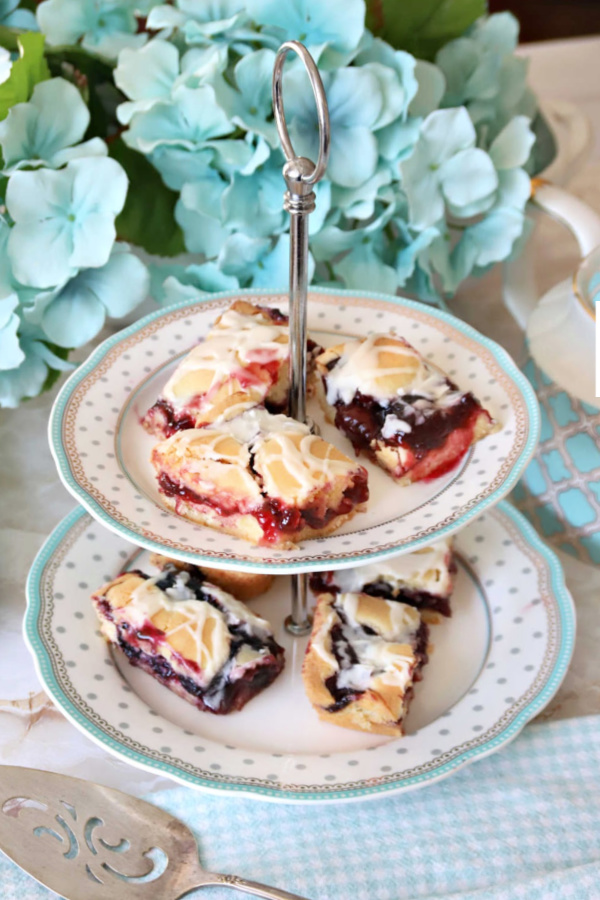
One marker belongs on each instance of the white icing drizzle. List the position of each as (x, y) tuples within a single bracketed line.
[(360, 369), (270, 439), (379, 656), (423, 570), (236, 341), (306, 470), (201, 618), (257, 423), (393, 425), (404, 620)]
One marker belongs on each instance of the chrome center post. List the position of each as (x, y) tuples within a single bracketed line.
[(300, 176)]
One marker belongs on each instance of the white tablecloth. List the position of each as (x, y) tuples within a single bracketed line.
[(33, 501)]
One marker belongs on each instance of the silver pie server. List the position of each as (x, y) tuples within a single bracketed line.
[(88, 842)]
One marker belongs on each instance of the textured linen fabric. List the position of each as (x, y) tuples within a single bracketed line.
[(524, 823)]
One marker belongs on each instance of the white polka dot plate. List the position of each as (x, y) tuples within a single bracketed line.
[(494, 665), (102, 452)]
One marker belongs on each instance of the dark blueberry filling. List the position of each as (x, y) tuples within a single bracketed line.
[(363, 418), (221, 696), (346, 656), (274, 516), (274, 314), (322, 583), (172, 421)]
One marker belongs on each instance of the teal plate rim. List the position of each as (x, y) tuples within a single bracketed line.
[(45, 670), (502, 358)]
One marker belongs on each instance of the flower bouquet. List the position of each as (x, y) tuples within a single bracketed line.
[(131, 125)]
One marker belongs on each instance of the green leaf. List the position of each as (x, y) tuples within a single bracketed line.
[(26, 72), (148, 218), (9, 38), (94, 67), (97, 88), (422, 26)]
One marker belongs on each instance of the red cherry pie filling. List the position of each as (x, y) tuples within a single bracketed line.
[(397, 409), (263, 477)]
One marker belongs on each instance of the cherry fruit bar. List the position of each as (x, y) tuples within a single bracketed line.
[(363, 657), (259, 476), (398, 409), (423, 579), (196, 639), (242, 362)]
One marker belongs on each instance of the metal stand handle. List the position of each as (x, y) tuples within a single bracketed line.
[(299, 200)]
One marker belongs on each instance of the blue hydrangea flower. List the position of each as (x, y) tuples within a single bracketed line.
[(74, 313), (150, 74), (11, 354), (250, 106), (193, 283), (359, 257), (200, 21), (179, 166), (146, 75), (356, 103), (492, 239), (447, 170), (272, 270), (397, 140), (188, 121), (253, 261), (404, 88), (483, 74), (336, 24), (12, 17), (471, 64), (101, 26), (199, 214), (28, 377), (64, 220), (240, 254), (254, 203), (431, 86), (360, 202), (414, 249), (43, 131)]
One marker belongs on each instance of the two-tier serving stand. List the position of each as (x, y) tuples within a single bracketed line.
[(277, 747)]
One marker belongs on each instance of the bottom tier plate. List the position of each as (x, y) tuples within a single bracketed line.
[(493, 666)]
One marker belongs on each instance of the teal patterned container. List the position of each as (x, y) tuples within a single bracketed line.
[(560, 490)]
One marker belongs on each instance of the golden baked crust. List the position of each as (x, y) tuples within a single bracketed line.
[(398, 392), (262, 477), (243, 585), (386, 640)]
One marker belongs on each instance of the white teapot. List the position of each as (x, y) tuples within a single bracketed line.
[(561, 327), (560, 491)]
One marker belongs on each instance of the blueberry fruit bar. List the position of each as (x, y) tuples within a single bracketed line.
[(363, 657), (397, 408), (242, 362), (259, 476), (423, 579), (243, 585), (196, 639)]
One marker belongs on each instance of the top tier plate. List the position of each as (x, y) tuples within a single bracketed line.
[(102, 451)]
